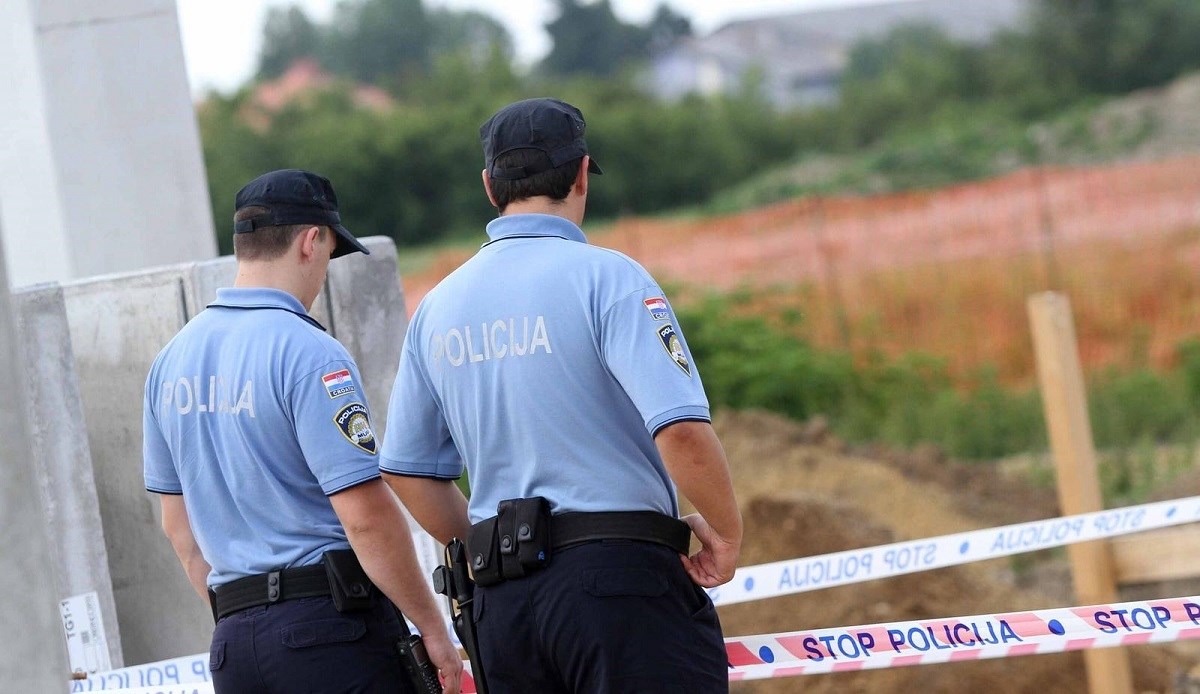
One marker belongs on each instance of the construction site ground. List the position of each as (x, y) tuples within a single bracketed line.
[(804, 493)]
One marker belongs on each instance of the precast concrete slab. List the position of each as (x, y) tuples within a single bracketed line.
[(369, 318), (203, 279), (61, 455)]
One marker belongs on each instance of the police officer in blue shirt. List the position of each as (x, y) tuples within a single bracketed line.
[(259, 443), (556, 374)]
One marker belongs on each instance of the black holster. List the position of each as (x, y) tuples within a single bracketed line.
[(349, 585)]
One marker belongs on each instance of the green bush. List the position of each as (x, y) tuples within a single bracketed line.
[(751, 360)]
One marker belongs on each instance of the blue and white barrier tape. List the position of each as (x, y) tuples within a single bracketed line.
[(899, 558)]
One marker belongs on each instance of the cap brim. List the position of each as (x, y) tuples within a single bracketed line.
[(347, 243), (593, 167)]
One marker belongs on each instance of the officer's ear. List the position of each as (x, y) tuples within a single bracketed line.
[(310, 242), (581, 176), (487, 186)]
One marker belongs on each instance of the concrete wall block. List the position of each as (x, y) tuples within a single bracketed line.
[(61, 456), (119, 324), (203, 279), (369, 317)]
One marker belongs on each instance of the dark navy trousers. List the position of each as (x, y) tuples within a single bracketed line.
[(306, 645), (606, 617)]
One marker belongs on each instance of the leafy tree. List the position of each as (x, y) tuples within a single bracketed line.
[(667, 27), (288, 35), (588, 39), (903, 77), (481, 38), (373, 40), (1114, 46)]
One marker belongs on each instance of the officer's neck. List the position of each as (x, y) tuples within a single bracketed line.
[(281, 275), (571, 209)]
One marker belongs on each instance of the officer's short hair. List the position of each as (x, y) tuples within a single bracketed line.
[(553, 183), (265, 243)]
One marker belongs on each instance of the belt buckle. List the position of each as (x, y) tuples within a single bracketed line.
[(274, 580)]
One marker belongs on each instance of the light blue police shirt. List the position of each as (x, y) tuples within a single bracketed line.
[(544, 365), (255, 415)]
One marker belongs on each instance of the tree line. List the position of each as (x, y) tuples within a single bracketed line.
[(411, 170)]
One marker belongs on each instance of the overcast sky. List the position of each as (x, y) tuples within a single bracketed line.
[(221, 37)]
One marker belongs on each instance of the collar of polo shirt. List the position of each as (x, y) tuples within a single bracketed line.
[(533, 225)]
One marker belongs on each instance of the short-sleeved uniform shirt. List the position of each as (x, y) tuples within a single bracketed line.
[(544, 366), (255, 415)]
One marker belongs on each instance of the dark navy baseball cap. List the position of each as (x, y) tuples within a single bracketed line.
[(552, 126), (293, 196)]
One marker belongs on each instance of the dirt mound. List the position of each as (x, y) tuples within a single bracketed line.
[(799, 499)]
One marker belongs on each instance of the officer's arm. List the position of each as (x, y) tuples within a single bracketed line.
[(438, 505), (696, 462), (379, 533), (179, 531)]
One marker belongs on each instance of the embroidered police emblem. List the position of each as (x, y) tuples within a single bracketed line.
[(356, 426), (674, 348)]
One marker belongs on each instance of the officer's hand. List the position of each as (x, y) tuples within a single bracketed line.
[(714, 564), (445, 657)]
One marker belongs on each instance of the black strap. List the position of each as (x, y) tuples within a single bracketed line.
[(268, 588), (568, 529)]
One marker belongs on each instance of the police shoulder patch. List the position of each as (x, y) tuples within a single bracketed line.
[(338, 383), (657, 306), (355, 424), (674, 347)]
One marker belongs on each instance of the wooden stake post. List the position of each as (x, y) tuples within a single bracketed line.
[(1065, 404)]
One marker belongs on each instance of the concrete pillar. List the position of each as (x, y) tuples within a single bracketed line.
[(34, 657), (62, 457), (100, 166)]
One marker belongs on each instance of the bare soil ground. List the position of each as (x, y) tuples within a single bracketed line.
[(803, 494)]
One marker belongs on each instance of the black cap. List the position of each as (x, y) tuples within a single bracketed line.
[(552, 126), (293, 196)]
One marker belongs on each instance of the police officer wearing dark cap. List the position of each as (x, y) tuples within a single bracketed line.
[(259, 443), (556, 375)]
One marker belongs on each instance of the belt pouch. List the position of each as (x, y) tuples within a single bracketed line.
[(533, 532), (506, 534), (484, 548), (348, 582)]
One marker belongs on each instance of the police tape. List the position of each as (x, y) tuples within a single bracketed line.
[(184, 675), (794, 576), (198, 688), (980, 637), (901, 644), (899, 558)]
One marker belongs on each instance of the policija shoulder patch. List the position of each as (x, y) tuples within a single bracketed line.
[(355, 425), (674, 348)]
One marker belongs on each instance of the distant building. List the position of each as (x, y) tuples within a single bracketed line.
[(799, 58), (302, 82)]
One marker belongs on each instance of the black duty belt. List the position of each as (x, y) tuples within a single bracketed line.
[(268, 588), (523, 536), (568, 529)]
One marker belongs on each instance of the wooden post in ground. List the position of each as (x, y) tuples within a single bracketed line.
[(1064, 402)]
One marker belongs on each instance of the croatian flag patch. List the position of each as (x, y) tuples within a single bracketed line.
[(338, 383), (657, 308)]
